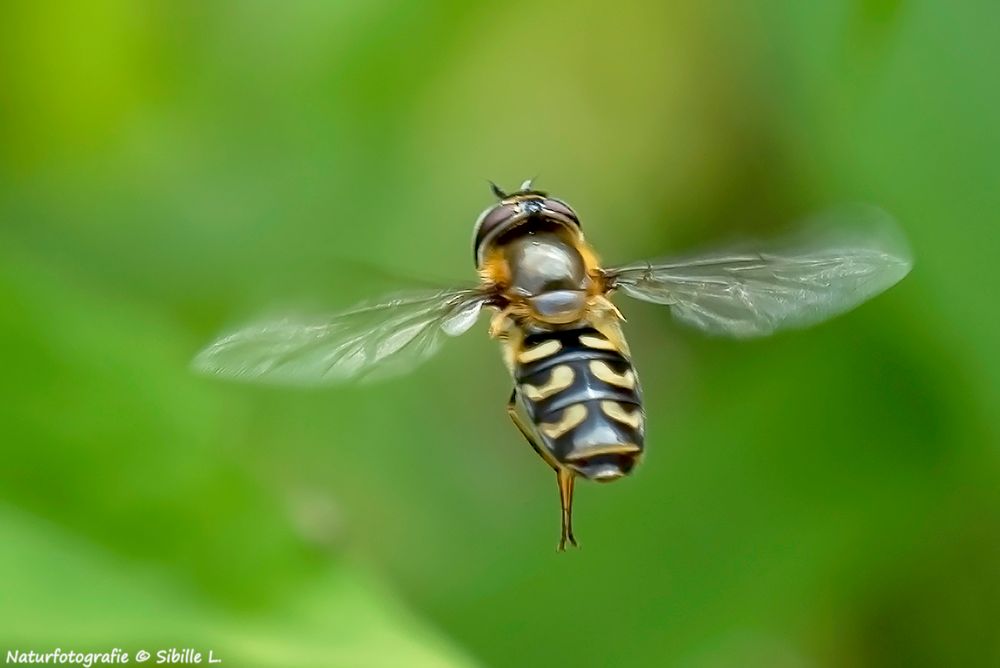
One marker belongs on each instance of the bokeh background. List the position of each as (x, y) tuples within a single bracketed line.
[(824, 498)]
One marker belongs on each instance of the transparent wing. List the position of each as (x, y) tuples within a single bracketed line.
[(380, 339), (824, 270)]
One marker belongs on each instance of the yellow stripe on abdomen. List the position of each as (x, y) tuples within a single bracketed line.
[(541, 351), (616, 411), (561, 378), (609, 375), (571, 417)]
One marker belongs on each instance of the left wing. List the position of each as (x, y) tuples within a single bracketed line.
[(756, 291), (386, 338)]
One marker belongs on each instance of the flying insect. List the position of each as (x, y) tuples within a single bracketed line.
[(576, 396)]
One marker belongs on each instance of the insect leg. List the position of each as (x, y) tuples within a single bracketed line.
[(564, 477)]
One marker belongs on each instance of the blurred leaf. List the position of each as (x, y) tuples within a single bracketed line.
[(70, 594)]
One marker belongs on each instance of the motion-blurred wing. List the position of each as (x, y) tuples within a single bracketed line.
[(821, 272), (371, 340)]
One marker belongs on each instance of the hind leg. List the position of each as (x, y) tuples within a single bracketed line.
[(564, 477)]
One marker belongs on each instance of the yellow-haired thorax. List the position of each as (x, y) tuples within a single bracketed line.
[(508, 271), (598, 281), (531, 253), (494, 267), (494, 271)]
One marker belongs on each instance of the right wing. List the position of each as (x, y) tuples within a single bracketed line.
[(755, 290), (386, 338)]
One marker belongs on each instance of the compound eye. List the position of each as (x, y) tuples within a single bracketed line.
[(562, 208), (490, 224), (493, 218)]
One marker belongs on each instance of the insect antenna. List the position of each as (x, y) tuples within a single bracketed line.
[(496, 191)]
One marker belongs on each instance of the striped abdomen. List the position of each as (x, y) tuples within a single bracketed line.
[(583, 396)]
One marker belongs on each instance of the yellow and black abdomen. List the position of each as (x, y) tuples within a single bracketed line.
[(583, 396)]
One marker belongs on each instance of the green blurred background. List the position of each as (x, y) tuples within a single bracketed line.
[(170, 169)]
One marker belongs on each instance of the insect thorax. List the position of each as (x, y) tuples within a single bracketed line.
[(545, 271)]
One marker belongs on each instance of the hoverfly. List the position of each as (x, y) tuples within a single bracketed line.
[(576, 396)]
